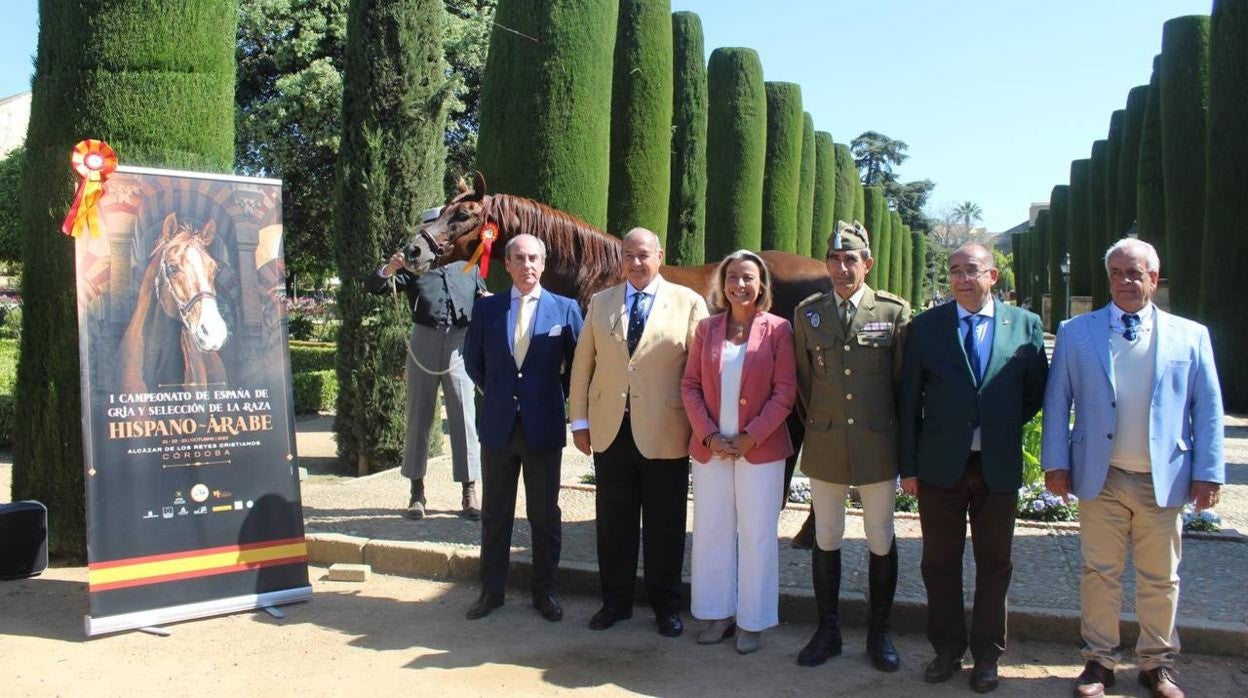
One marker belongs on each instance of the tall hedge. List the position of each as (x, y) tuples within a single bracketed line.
[(1041, 258), (1184, 121), (1150, 197), (1020, 281), (1059, 245), (860, 198), (390, 167), (1098, 165), (1113, 160), (1129, 158), (155, 80), (823, 218), (782, 172), (1224, 304), (846, 183), (641, 118), (806, 188), (877, 222), (907, 262), (919, 269), (686, 221), (546, 104), (736, 151), (1080, 248), (896, 257)]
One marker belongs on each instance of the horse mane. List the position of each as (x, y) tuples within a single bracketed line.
[(579, 255)]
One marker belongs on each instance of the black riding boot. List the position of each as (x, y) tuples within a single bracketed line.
[(881, 587), (827, 582)]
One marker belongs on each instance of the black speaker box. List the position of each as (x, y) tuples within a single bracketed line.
[(23, 539)]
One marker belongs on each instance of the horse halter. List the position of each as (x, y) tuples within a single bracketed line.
[(183, 308)]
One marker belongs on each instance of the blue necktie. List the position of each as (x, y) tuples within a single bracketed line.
[(636, 321), (971, 345), (1130, 326)]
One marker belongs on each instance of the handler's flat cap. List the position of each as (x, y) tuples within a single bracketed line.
[(847, 237), (430, 215)]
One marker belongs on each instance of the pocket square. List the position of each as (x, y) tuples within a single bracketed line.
[(556, 330)]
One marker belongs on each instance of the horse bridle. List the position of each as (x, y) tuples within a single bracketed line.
[(183, 308)]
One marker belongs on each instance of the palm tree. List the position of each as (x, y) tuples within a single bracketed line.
[(969, 211)]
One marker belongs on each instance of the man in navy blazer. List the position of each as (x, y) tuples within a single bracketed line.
[(519, 353), (1147, 438)]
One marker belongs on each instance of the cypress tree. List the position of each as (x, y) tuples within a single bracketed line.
[(641, 118), (1150, 197), (1113, 158), (1184, 120), (907, 262), (155, 80), (896, 258), (1041, 257), (390, 167), (823, 219), (686, 223), (1016, 262), (1098, 283), (546, 104), (919, 270), (1059, 245), (782, 173), (806, 188), (1080, 248), (860, 199), (846, 177), (736, 150), (877, 222), (1224, 304), (1129, 158)]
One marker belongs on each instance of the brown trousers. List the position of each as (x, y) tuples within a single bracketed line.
[(943, 513)]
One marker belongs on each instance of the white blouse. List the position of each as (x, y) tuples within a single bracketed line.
[(730, 387)]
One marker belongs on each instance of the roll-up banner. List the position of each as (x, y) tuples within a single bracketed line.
[(191, 477)]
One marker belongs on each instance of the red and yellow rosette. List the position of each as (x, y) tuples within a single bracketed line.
[(94, 161), (489, 233)]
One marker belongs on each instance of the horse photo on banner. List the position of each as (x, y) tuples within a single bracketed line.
[(192, 482)]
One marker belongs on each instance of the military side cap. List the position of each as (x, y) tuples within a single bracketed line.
[(430, 215), (847, 237)]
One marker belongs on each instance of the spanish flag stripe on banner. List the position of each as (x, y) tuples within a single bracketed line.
[(128, 561), (197, 563), (300, 559)]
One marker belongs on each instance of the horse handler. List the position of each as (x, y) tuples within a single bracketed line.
[(441, 302), (849, 348)]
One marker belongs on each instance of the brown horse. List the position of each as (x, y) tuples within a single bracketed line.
[(176, 328), (582, 260)]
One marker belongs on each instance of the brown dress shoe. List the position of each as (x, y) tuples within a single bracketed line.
[(1094, 680), (471, 506), (1161, 682)]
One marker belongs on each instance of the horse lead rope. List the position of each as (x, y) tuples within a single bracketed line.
[(403, 314)]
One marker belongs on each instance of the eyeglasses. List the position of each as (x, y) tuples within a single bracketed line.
[(967, 274), (1133, 275)]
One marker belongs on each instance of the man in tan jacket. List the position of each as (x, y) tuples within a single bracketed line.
[(626, 409)]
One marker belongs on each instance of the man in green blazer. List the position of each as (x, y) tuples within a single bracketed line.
[(973, 374)]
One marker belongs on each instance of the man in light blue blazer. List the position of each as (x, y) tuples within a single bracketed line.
[(1147, 438), (519, 352)]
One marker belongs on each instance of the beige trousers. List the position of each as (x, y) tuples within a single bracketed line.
[(828, 501), (1126, 512)]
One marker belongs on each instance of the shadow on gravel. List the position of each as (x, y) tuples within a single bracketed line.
[(47, 609)]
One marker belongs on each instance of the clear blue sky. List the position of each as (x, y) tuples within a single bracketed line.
[(994, 97)]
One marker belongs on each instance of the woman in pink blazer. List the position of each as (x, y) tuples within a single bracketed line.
[(739, 386)]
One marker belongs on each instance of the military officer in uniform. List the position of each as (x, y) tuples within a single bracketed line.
[(849, 349)]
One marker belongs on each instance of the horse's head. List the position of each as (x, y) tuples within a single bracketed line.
[(454, 235), (186, 281)]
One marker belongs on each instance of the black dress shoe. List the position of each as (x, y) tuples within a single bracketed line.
[(942, 668), (548, 606), (607, 617), (483, 605), (984, 677), (670, 624)]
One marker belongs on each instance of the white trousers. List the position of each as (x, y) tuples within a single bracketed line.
[(736, 555), (828, 500)]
